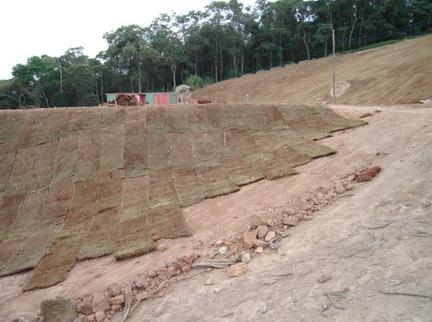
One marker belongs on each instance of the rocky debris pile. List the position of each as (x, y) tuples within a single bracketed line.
[(126, 100), (102, 306), (235, 253)]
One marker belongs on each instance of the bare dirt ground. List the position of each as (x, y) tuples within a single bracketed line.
[(365, 257), (392, 74)]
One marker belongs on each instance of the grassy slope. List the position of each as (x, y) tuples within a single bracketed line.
[(392, 74)]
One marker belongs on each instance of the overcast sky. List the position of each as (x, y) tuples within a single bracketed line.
[(36, 27)]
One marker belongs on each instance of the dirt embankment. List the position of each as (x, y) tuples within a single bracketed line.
[(392, 74), (279, 204), (365, 257), (84, 183)]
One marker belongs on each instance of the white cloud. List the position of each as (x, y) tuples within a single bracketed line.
[(36, 27)]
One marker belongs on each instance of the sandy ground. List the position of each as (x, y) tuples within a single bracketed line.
[(373, 240), (366, 257)]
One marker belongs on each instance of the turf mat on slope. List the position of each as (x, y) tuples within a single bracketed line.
[(101, 181)]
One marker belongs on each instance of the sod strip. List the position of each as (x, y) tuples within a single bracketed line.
[(164, 217), (238, 144), (188, 119), (157, 140), (65, 161), (182, 167), (6, 163), (19, 178), (112, 147), (48, 225), (101, 237), (9, 207), (43, 167), (135, 149), (134, 198), (208, 150), (133, 238), (187, 186), (337, 122), (54, 267), (132, 232), (25, 231), (87, 163)]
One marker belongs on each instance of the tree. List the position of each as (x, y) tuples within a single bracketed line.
[(167, 43), (124, 54), (37, 80)]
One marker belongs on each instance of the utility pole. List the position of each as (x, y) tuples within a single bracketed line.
[(334, 66), (330, 18)]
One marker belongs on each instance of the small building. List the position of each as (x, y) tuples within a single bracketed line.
[(126, 99), (141, 99)]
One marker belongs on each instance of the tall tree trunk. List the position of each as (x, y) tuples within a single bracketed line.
[(216, 70), (221, 68), (61, 75), (196, 65), (102, 89), (174, 70), (306, 44), (350, 35), (216, 62), (139, 78), (325, 48), (235, 64), (280, 50), (242, 64)]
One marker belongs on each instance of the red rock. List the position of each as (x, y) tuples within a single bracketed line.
[(237, 270), (115, 289), (99, 303), (172, 271), (262, 230), (259, 243), (99, 316), (248, 238), (219, 242), (190, 259), (368, 174), (116, 308), (186, 268), (270, 236), (256, 221), (290, 221), (259, 250), (152, 274), (85, 306), (117, 300), (162, 247), (339, 188)]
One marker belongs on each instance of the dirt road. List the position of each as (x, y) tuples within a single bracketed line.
[(365, 257)]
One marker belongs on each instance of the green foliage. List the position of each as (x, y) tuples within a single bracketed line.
[(222, 41), (196, 82)]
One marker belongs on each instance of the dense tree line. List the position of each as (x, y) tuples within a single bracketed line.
[(223, 41)]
